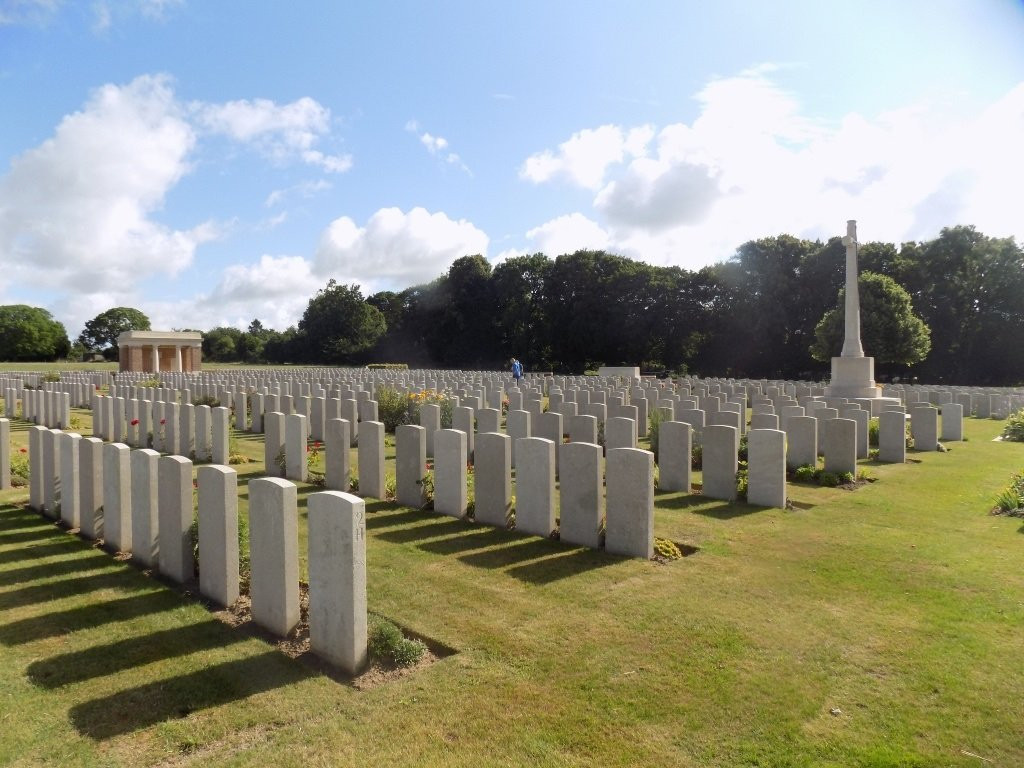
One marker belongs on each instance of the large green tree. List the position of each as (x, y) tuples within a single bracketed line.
[(31, 333), (338, 324), (890, 331), (100, 334)]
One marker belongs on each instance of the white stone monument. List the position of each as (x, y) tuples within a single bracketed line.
[(853, 374)]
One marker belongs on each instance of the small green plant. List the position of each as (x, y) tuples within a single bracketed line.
[(281, 461), (427, 483), (353, 482), (1010, 500), (742, 483), (207, 400), (873, 433), (51, 376), (667, 550), (390, 487), (19, 468), (388, 645), (151, 382), (828, 479), (1014, 429), (697, 457), (805, 474)]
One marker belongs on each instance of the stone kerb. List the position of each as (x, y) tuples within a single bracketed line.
[(371, 459), (90, 487), (450, 494), (337, 579), (720, 461), (218, 533), (675, 448), (296, 466), (144, 516), (35, 465), (70, 499), (51, 472), (535, 486), (952, 421), (801, 441), (629, 514), (892, 436), (924, 427), (273, 554), (174, 517), (219, 437), (430, 420), (840, 446), (766, 478), (336, 454), (117, 498), (492, 477), (580, 493)]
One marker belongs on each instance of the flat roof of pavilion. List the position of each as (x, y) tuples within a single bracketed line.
[(129, 338)]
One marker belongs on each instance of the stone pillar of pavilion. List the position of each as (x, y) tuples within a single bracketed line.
[(853, 374), (140, 351)]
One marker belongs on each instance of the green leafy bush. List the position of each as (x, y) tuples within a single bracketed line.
[(392, 409), (208, 400), (873, 433), (19, 468), (1014, 429), (1010, 500), (387, 644), (697, 457)]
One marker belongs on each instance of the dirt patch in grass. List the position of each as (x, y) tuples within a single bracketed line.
[(297, 645)]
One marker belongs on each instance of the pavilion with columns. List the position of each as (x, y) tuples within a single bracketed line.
[(159, 351)]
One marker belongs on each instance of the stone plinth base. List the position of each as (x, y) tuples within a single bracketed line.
[(853, 377)]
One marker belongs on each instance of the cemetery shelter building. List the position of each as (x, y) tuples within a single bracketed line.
[(159, 351)]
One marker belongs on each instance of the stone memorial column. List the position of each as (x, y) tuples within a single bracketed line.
[(145, 523), (410, 465), (492, 478), (117, 498), (580, 493), (174, 518)]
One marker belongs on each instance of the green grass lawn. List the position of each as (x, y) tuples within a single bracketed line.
[(882, 626)]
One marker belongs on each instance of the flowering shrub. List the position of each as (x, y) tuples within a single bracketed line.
[(395, 408)]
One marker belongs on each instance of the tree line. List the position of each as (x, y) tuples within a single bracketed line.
[(944, 310)]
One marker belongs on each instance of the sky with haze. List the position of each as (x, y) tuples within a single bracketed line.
[(211, 162)]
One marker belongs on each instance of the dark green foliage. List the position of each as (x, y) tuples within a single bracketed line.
[(30, 333), (890, 331), (100, 333), (338, 324)]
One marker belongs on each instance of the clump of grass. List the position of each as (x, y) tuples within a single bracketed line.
[(388, 645)]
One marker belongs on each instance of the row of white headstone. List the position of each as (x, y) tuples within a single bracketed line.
[(140, 501)]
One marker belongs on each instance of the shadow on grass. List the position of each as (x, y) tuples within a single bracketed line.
[(431, 530), (97, 614), (727, 510), (145, 705), (108, 659), (27, 573), (63, 588), (561, 565), (58, 545), (25, 536)]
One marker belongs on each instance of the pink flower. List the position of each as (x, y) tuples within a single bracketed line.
[(163, 421)]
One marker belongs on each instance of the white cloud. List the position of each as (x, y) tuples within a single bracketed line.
[(437, 146), (76, 211), (33, 12), (395, 250), (281, 132), (276, 290), (753, 164), (568, 234), (586, 156)]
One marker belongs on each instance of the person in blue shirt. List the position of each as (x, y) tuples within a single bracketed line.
[(517, 370)]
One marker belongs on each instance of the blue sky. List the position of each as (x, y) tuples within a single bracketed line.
[(215, 162)]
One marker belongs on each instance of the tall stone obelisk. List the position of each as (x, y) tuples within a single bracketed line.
[(853, 374)]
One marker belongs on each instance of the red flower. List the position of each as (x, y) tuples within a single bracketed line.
[(163, 421), (316, 445), (24, 450), (135, 422)]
